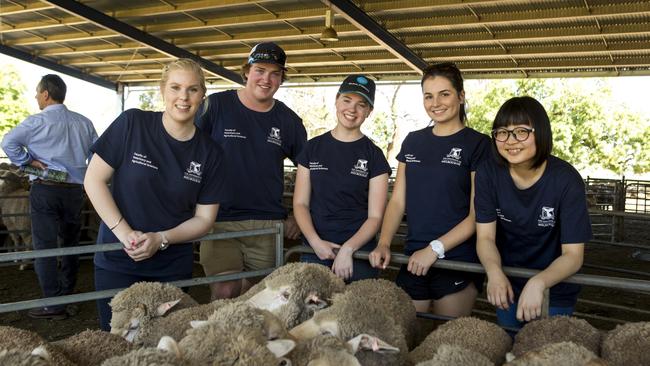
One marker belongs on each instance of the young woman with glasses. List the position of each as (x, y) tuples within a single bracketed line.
[(531, 212), (434, 187)]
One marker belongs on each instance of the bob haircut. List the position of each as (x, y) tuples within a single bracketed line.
[(449, 71), (526, 111)]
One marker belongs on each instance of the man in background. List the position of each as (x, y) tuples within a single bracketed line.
[(56, 142)]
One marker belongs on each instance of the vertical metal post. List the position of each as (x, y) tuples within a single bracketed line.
[(279, 244), (546, 303)]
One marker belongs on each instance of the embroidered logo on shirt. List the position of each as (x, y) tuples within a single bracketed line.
[(546, 217), (453, 157), (315, 165), (360, 168), (193, 172), (502, 216), (232, 132), (410, 158), (141, 159), (274, 136)]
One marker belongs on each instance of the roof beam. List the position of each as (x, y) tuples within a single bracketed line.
[(379, 34), (111, 23), (57, 67)]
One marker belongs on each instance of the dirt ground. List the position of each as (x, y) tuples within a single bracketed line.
[(16, 285)]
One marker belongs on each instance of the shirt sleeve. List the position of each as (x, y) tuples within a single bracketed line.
[(575, 224), (15, 142), (111, 145), (400, 156), (483, 151), (204, 119), (484, 195), (303, 156), (215, 187), (379, 163)]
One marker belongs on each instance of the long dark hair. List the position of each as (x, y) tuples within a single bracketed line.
[(450, 71)]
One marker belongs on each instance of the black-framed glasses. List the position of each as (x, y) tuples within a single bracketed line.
[(519, 133)]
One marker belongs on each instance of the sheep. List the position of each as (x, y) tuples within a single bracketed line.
[(166, 353), (25, 358), (627, 344), (559, 354), (392, 299), (292, 292), (448, 355), (556, 329), (134, 307), (350, 316), (238, 334), (16, 339), (92, 347), (471, 333), (324, 350), (295, 291)]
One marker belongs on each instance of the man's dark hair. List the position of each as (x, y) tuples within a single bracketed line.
[(54, 85)]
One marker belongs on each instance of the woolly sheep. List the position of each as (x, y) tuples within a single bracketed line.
[(238, 334), (554, 330), (393, 299), (471, 333), (627, 344), (166, 353), (134, 307), (559, 354), (24, 358), (324, 350), (351, 315), (447, 355), (295, 291), (92, 347), (21, 340)]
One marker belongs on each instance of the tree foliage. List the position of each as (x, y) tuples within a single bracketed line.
[(13, 104)]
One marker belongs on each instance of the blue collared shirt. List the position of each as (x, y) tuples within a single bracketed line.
[(57, 137)]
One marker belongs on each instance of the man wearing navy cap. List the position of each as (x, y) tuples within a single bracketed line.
[(257, 132)]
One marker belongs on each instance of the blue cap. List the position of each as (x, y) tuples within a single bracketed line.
[(361, 85)]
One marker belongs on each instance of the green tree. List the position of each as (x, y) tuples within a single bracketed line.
[(13, 105), (150, 100)]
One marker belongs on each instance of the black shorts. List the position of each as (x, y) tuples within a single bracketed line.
[(437, 283)]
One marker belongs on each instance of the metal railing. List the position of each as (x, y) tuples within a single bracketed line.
[(278, 231)]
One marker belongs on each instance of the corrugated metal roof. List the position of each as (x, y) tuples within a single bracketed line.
[(486, 38)]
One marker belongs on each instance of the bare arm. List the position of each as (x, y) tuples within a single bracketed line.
[(377, 194), (380, 257), (564, 266), (301, 199), (499, 290)]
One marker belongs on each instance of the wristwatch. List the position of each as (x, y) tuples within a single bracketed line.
[(164, 244), (438, 248)]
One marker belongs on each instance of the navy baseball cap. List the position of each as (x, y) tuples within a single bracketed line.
[(361, 85), (268, 52)]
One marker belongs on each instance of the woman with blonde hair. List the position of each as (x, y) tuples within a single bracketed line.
[(166, 184)]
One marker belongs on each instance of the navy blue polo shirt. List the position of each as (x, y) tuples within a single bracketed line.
[(157, 183), (439, 185), (533, 223), (339, 174), (255, 145)]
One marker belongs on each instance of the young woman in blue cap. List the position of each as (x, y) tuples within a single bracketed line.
[(531, 212), (341, 186), (435, 186)]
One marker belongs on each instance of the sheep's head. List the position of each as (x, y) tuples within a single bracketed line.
[(38, 357), (296, 291)]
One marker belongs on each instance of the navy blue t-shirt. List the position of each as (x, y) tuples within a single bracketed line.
[(157, 183), (255, 145), (533, 223), (340, 173), (439, 185)]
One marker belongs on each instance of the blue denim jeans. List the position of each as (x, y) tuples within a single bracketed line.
[(508, 318), (56, 211)]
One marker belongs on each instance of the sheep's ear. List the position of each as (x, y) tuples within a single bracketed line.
[(315, 302), (165, 307), (371, 343), (280, 347), (198, 323), (41, 352), (167, 343)]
